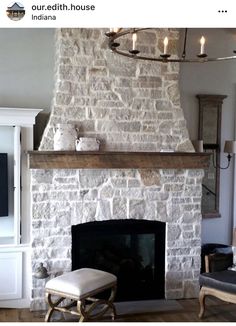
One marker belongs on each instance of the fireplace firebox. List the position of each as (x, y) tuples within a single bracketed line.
[(133, 250)]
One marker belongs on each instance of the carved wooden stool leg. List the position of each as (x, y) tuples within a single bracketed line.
[(87, 312), (111, 302), (52, 305), (202, 302), (81, 310), (50, 308)]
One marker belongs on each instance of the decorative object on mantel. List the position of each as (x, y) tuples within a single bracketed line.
[(41, 272), (117, 160), (198, 145), (65, 135), (117, 35), (87, 144)]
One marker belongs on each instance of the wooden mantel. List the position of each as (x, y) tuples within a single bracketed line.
[(117, 160)]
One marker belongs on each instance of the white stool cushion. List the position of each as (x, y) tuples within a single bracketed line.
[(81, 283)]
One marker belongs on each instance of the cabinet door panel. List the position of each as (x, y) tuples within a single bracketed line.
[(10, 275)]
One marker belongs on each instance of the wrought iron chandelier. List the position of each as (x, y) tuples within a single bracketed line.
[(116, 35)]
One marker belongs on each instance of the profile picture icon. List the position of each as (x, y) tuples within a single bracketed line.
[(15, 11)]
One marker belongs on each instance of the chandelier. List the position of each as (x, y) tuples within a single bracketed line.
[(117, 35)]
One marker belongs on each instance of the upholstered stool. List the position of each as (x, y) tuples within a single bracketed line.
[(217, 284), (81, 286)]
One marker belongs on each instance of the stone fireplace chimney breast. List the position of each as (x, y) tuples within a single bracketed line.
[(129, 106)]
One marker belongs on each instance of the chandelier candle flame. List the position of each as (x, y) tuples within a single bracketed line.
[(117, 36)]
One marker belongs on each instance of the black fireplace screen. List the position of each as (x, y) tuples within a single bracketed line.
[(133, 250)]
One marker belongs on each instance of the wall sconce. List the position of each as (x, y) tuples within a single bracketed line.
[(230, 148)]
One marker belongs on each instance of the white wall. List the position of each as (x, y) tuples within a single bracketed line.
[(26, 67), (213, 78)]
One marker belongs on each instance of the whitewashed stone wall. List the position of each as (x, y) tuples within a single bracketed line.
[(128, 105)]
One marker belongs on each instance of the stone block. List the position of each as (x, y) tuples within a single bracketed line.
[(173, 232), (174, 264), (125, 94), (40, 197), (100, 83), (107, 126), (133, 126), (191, 289), (165, 115), (148, 82), (40, 211), (163, 105), (98, 71), (137, 209), (119, 183), (119, 208), (75, 111), (98, 113), (89, 211), (151, 212), (119, 67), (174, 280), (133, 183), (41, 176), (103, 210), (150, 177), (174, 294), (92, 178), (135, 193), (148, 69), (91, 194)]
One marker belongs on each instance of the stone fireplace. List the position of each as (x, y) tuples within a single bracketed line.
[(129, 106)]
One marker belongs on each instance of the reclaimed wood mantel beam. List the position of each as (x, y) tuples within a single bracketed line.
[(117, 160)]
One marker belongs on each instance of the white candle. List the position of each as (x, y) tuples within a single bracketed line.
[(134, 38), (202, 42), (165, 44)]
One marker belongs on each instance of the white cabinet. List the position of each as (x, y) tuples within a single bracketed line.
[(16, 138)]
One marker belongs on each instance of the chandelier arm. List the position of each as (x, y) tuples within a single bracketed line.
[(113, 45), (140, 57)]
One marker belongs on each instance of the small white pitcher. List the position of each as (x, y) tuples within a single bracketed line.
[(87, 144)]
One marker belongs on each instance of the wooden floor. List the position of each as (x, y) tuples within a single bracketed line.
[(217, 311)]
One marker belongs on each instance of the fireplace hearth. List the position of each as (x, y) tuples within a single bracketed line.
[(133, 250)]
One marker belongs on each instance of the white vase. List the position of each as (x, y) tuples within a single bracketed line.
[(65, 136), (87, 144)]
